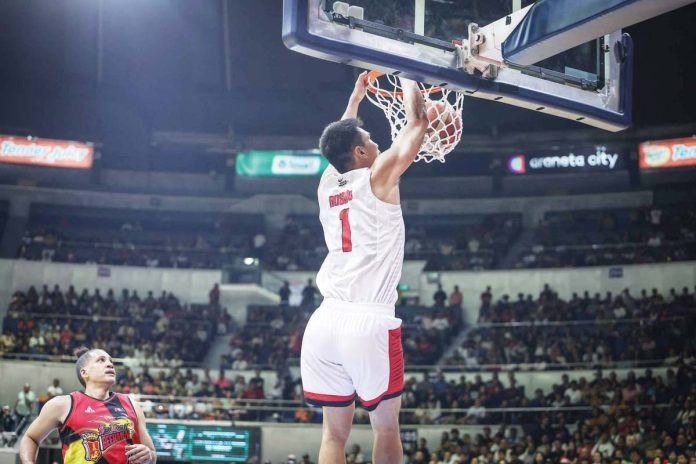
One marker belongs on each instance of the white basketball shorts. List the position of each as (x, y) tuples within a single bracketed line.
[(349, 351)]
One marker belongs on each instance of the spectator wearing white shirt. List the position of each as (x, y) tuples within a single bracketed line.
[(619, 311), (441, 323), (573, 393), (24, 406), (475, 413), (427, 322), (37, 343), (55, 389), (604, 446)]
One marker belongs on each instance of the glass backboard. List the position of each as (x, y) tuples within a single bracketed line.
[(589, 83), (448, 20)]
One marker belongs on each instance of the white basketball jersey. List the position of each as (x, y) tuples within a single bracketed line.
[(365, 238)]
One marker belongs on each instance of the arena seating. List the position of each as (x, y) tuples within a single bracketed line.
[(628, 429), (445, 242), (644, 414), (473, 242), (550, 333), (51, 323), (272, 335), (626, 419), (458, 242), (120, 237), (618, 236)]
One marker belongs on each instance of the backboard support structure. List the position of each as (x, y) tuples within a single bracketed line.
[(475, 58)]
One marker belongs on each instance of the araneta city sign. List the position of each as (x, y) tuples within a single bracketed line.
[(601, 159), (598, 159)]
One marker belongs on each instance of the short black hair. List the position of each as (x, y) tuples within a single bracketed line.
[(338, 141), (84, 355)]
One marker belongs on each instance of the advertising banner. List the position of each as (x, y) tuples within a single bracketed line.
[(280, 163), (674, 153), (220, 443), (45, 152), (597, 158)]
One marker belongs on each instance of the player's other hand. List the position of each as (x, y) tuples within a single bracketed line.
[(361, 84), (138, 454)]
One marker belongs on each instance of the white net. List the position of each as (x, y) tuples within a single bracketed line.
[(444, 111)]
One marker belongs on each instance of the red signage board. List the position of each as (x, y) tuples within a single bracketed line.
[(45, 152), (672, 153)]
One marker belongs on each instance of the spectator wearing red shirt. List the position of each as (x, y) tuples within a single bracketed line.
[(455, 298), (254, 391), (222, 383)]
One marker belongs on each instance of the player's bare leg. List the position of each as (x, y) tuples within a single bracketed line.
[(385, 424), (335, 432)]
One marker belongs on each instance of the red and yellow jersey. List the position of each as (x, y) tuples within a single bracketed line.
[(97, 431)]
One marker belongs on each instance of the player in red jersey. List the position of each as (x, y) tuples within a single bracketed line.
[(97, 425)]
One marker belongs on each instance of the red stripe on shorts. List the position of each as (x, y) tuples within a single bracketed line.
[(328, 398), (396, 368), (396, 362)]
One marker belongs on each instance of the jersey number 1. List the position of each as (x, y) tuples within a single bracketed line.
[(345, 231)]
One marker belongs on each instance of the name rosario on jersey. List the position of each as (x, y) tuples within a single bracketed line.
[(340, 198)]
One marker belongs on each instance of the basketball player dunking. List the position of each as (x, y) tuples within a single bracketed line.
[(352, 345)]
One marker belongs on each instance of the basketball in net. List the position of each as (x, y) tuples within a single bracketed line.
[(443, 108)]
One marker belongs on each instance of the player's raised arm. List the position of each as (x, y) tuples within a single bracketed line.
[(391, 164), (356, 97)]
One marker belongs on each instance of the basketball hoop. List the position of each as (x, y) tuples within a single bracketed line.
[(443, 107)]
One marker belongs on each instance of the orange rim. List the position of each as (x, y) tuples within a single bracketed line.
[(373, 75)]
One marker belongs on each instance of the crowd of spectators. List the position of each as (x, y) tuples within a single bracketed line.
[(464, 242), (155, 330), (300, 245), (187, 394), (473, 242), (271, 338), (650, 306), (272, 335), (644, 419), (645, 414), (605, 237), (641, 418), (14, 419), (437, 400), (446, 243), (527, 333), (170, 241), (603, 330), (638, 419), (579, 347)]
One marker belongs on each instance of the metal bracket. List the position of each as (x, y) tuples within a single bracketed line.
[(481, 52)]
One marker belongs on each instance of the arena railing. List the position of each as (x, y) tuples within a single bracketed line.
[(609, 246), (410, 368), (96, 245), (70, 359), (276, 410), (582, 322)]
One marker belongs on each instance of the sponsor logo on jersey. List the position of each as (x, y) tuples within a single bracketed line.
[(110, 432), (342, 182), (89, 410)]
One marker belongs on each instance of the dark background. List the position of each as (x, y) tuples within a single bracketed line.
[(163, 69)]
